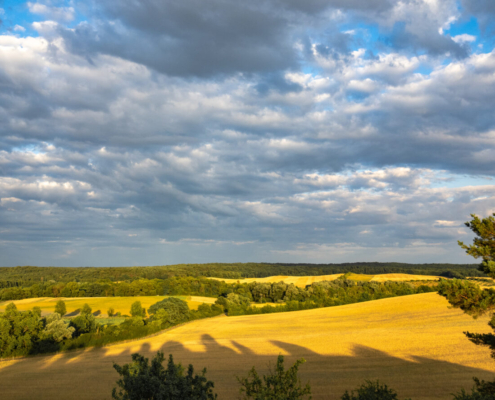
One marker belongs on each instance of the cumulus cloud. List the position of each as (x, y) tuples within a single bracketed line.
[(62, 14), (247, 130)]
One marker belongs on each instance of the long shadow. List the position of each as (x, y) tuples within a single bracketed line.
[(89, 374)]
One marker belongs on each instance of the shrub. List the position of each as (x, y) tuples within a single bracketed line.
[(277, 385), (142, 381)]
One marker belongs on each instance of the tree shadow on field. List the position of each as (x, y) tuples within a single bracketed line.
[(88, 374)]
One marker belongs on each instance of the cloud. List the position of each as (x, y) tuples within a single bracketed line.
[(19, 28), (62, 14), (247, 130)]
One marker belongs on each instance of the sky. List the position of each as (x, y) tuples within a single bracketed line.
[(159, 132)]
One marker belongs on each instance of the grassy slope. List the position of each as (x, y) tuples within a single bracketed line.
[(413, 343), (302, 281), (102, 304)]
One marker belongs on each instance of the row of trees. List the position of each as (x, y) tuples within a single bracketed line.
[(26, 276), (26, 333)]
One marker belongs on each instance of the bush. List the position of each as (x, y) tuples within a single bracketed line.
[(177, 310), (142, 381), (278, 385), (371, 390)]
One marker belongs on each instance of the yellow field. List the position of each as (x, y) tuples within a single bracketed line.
[(403, 277), (413, 343), (102, 304), (302, 281)]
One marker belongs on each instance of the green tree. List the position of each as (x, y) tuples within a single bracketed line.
[(277, 385), (143, 381), (19, 331), (57, 329), (60, 308), (137, 309), (111, 312), (371, 390), (84, 323), (474, 301), (177, 309)]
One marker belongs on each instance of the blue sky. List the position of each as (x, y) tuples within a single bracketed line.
[(163, 131)]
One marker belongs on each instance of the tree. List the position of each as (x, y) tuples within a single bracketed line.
[(474, 301), (60, 308), (177, 309), (142, 381), (111, 312), (56, 328), (19, 331), (371, 390), (137, 309), (84, 323), (277, 385)]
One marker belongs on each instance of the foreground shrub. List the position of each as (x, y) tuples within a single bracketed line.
[(371, 390), (142, 381), (277, 385)]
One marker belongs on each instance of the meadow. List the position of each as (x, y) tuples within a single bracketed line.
[(303, 281), (413, 343), (100, 305)]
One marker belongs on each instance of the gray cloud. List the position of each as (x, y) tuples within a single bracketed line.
[(316, 149)]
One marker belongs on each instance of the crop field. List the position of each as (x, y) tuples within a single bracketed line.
[(413, 343), (302, 281), (101, 304)]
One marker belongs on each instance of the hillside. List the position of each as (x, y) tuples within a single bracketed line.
[(303, 281), (99, 305), (413, 343)]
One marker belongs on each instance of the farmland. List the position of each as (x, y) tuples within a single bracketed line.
[(302, 281), (406, 342), (100, 305)]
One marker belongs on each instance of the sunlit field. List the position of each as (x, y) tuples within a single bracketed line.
[(303, 281), (99, 304), (413, 343)]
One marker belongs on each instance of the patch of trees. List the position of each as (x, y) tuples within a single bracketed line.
[(319, 294), (27, 333), (28, 275)]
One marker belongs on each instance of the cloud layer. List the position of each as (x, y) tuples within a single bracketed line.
[(159, 132)]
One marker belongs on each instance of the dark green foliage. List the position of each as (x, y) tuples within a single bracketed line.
[(482, 391), (60, 308), (84, 323), (371, 390), (17, 277), (176, 310), (19, 331), (111, 312), (142, 381), (277, 385), (469, 297)]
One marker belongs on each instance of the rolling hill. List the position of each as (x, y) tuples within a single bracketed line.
[(413, 343)]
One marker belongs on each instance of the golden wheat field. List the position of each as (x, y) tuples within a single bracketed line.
[(102, 304), (413, 343), (302, 281)]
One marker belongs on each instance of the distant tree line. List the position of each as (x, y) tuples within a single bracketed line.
[(317, 295), (190, 286), (26, 276)]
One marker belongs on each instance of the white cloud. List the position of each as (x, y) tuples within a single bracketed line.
[(19, 28), (463, 38), (62, 14)]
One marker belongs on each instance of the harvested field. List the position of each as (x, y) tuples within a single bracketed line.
[(302, 281), (413, 343), (102, 304), (403, 277)]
